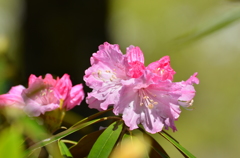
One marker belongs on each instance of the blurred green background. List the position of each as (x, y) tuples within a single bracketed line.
[(201, 36)]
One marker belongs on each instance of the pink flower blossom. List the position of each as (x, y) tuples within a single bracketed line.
[(143, 95), (105, 75), (44, 95)]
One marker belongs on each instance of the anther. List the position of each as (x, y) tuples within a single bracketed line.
[(150, 106)]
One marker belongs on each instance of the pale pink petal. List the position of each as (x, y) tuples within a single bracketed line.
[(33, 108), (107, 95), (108, 53), (154, 105), (75, 97), (105, 75), (193, 79), (143, 95), (16, 90), (13, 98), (135, 111), (93, 102)]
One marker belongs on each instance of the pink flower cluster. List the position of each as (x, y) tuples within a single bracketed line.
[(143, 95), (44, 95)]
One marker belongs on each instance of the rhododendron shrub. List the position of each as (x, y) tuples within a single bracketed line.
[(143, 95), (143, 99)]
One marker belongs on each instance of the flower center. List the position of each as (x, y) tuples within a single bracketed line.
[(146, 99), (46, 96), (105, 76)]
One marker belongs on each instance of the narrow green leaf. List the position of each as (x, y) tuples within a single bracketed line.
[(184, 151), (69, 141), (106, 141), (212, 26), (85, 144), (64, 133), (64, 150), (91, 117)]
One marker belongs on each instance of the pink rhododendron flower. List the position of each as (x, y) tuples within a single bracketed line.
[(143, 95), (44, 95), (105, 75)]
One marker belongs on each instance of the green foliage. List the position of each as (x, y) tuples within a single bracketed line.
[(25, 137), (64, 149), (11, 144), (106, 141), (184, 152)]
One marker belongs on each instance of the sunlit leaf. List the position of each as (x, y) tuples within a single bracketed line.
[(106, 141), (65, 133), (184, 151), (134, 146), (64, 150), (157, 150)]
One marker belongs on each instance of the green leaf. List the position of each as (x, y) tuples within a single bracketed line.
[(63, 134), (138, 144), (85, 144), (215, 24), (11, 143), (184, 151), (157, 150), (91, 117), (106, 141), (32, 129), (64, 150)]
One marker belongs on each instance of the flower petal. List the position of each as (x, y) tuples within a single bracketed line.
[(13, 98), (74, 97), (63, 86), (135, 60), (162, 68)]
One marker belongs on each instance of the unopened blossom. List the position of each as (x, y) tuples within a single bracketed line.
[(143, 95), (44, 94)]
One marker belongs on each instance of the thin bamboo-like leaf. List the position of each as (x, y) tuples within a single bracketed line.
[(67, 132), (64, 150), (64, 133), (106, 141), (214, 25), (84, 145), (91, 117), (69, 141), (184, 151)]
